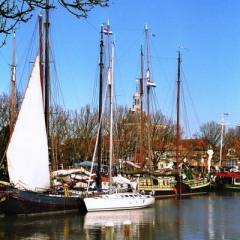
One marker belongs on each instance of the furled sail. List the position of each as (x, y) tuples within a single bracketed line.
[(27, 153)]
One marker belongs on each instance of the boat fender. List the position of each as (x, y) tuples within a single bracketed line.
[(175, 190), (3, 199), (66, 192), (152, 193)]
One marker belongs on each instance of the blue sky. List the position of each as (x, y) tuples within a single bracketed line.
[(209, 29)]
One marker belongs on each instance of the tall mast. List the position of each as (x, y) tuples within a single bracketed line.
[(110, 85), (41, 50), (178, 109), (101, 67), (47, 76), (142, 115), (13, 82), (148, 98)]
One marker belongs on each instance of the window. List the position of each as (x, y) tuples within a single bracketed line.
[(230, 163)]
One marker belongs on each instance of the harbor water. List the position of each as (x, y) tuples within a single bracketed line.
[(209, 216)]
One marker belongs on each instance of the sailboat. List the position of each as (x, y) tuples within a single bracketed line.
[(172, 182), (29, 190), (116, 200)]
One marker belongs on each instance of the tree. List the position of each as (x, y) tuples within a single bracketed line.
[(82, 130), (120, 132), (58, 132), (13, 12), (232, 140), (210, 132), (4, 120), (163, 133)]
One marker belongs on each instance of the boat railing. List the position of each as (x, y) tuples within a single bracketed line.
[(156, 183), (197, 182), (41, 190), (60, 192), (92, 194)]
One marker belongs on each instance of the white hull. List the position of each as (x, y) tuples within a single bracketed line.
[(118, 201)]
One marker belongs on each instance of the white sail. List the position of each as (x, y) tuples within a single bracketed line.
[(27, 153)]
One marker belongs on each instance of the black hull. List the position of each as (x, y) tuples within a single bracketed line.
[(23, 202), (226, 187)]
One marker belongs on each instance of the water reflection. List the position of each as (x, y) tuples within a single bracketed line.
[(213, 216), (139, 218), (39, 226)]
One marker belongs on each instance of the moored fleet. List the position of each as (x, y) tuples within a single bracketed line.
[(30, 187)]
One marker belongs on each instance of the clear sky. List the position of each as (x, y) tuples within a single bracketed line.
[(209, 29)]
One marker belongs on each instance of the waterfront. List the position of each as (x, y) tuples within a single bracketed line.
[(210, 216)]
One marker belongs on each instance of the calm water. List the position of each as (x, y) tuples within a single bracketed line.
[(213, 216)]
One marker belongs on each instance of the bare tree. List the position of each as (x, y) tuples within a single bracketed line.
[(15, 11), (5, 119), (237, 132), (4, 124), (210, 132), (230, 138), (82, 127), (82, 8), (120, 144), (163, 133), (58, 132)]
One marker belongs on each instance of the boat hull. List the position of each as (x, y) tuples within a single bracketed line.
[(178, 188), (227, 187), (118, 201), (200, 188), (227, 181), (16, 201)]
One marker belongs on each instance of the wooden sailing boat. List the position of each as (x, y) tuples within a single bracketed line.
[(186, 186), (168, 182), (30, 190), (172, 182)]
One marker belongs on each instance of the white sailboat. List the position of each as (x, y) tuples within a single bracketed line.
[(27, 153), (28, 164), (116, 200)]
